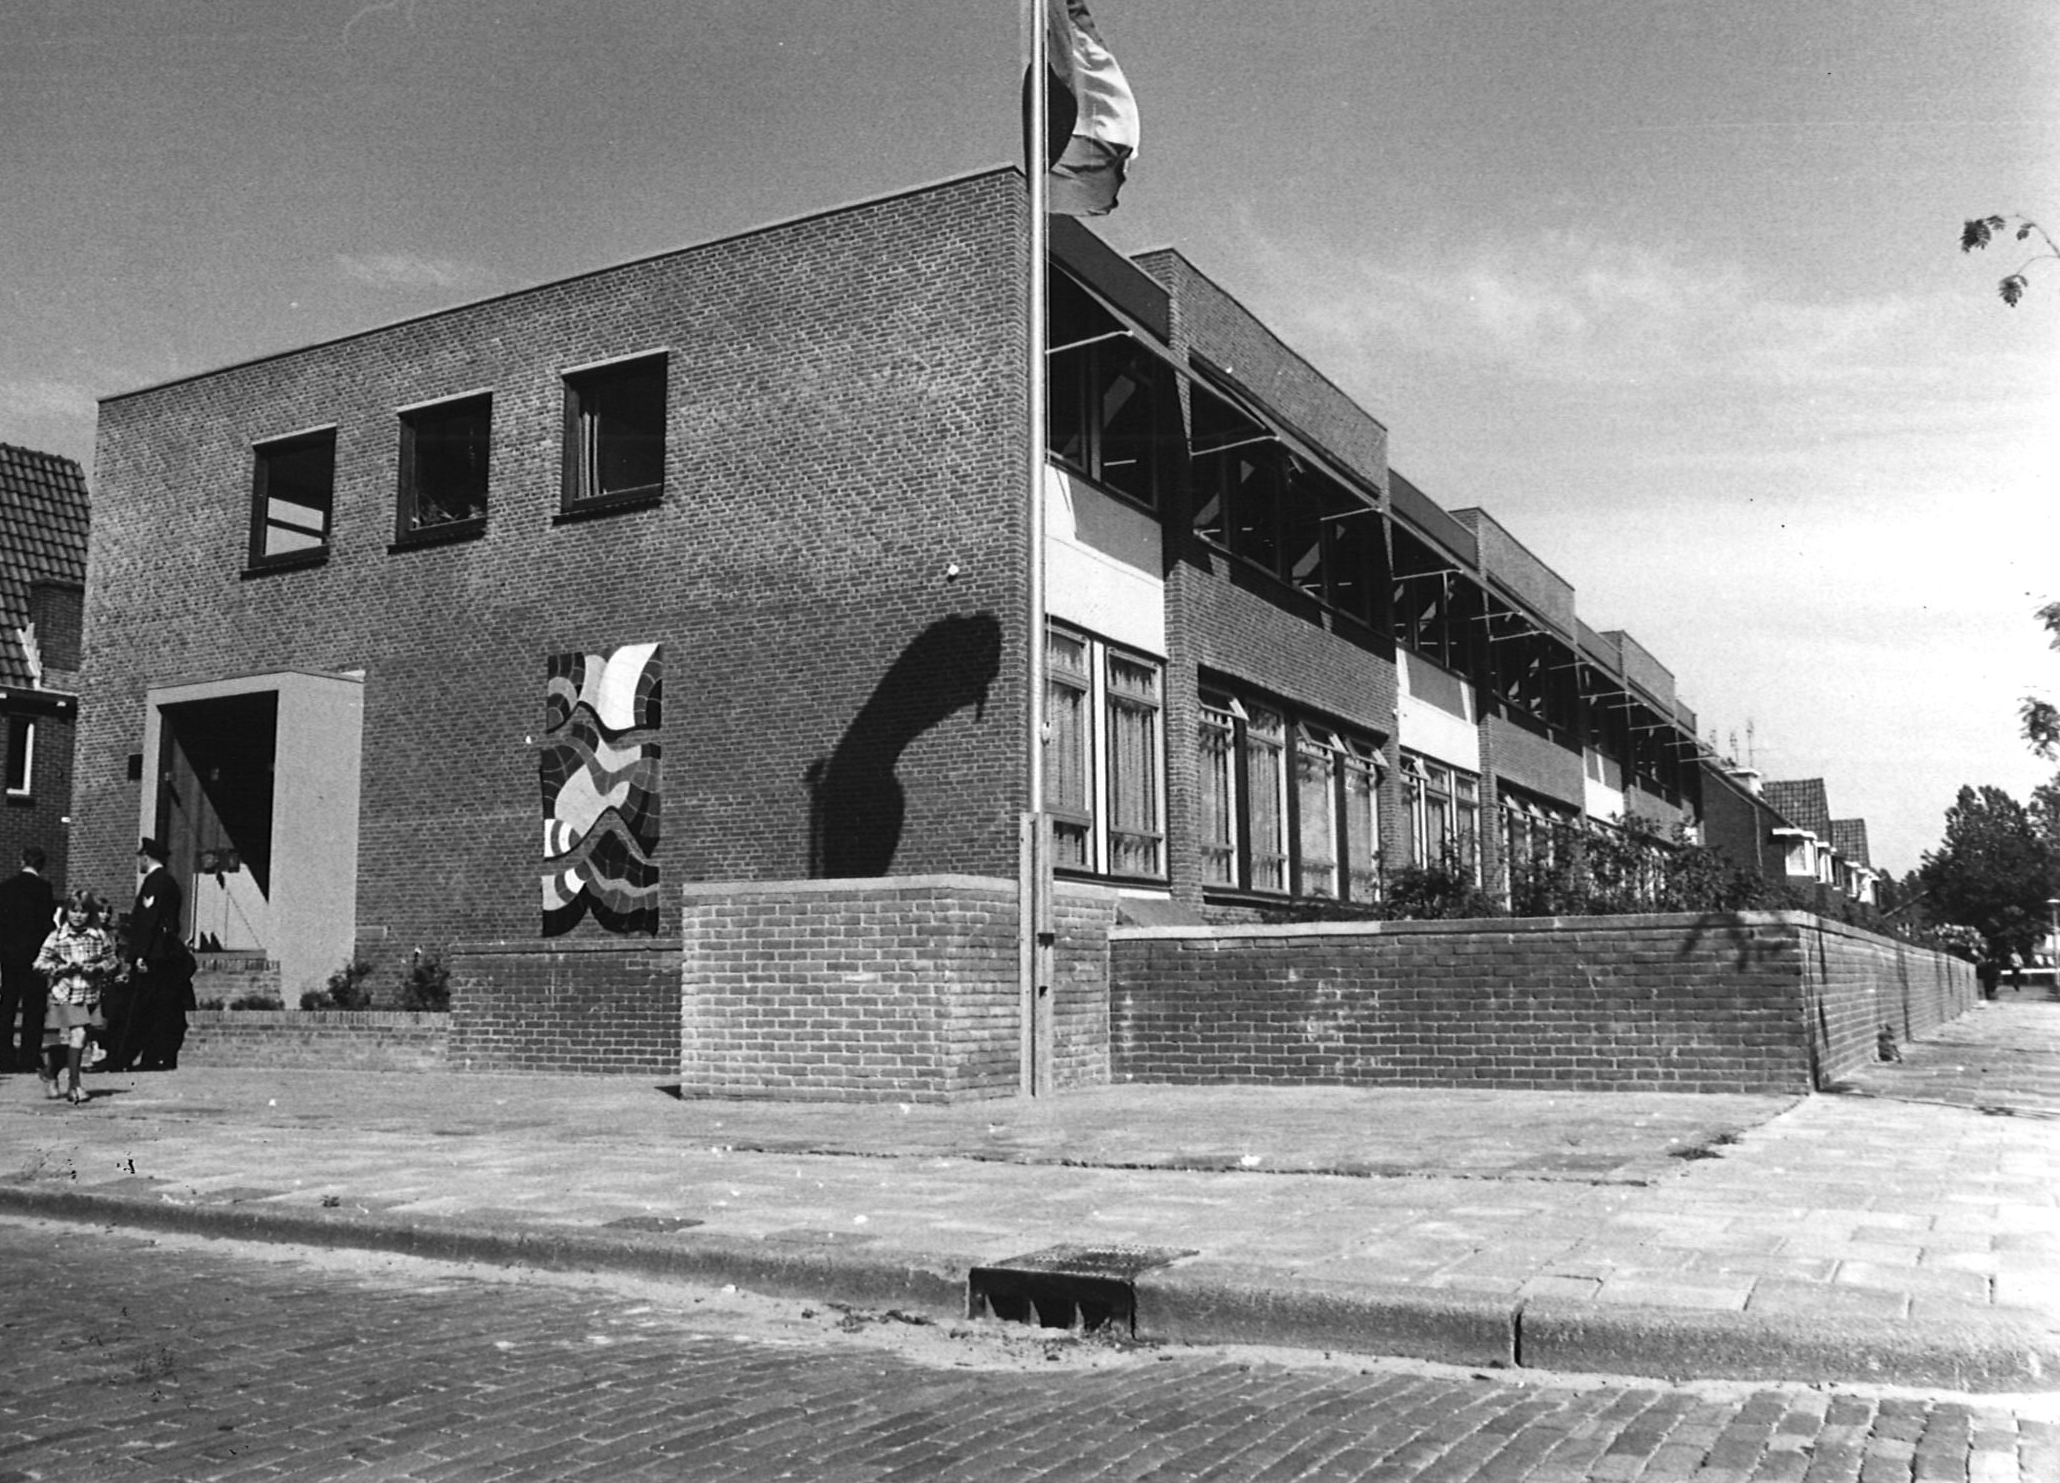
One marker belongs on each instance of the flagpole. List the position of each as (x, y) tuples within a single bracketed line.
[(1033, 897)]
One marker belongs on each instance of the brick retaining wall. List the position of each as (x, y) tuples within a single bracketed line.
[(566, 1005), (1855, 982), (897, 988), (1762, 1001), (327, 1040)]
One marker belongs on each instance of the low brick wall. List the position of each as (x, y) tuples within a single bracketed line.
[(221, 978), (877, 989), (1854, 983), (323, 1039), (566, 1005), (1762, 1001)]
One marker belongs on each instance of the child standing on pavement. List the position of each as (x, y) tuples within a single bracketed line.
[(78, 960)]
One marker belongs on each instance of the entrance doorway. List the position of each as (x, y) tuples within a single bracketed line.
[(214, 816)]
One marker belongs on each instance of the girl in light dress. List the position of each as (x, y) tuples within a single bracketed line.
[(78, 960)]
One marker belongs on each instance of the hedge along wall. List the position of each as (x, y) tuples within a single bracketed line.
[(1761, 1001), (900, 988)]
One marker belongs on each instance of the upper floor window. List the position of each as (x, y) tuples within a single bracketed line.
[(1264, 503), (443, 468), (1437, 608), (1105, 767), (615, 433), (293, 491), (21, 757), (1111, 405), (1287, 806)]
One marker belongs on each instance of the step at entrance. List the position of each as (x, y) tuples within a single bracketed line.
[(1078, 1288)]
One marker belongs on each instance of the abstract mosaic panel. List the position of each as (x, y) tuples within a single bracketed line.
[(599, 769)]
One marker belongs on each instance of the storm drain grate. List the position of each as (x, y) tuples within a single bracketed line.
[(1079, 1288), (662, 1224)]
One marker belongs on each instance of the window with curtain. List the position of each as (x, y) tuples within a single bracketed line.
[(1216, 753), (1288, 803), (1105, 764), (615, 433), (1444, 810)]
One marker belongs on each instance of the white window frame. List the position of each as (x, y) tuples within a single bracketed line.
[(1095, 822), (1353, 880), (25, 754)]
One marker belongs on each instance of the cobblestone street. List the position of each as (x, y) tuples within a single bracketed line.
[(128, 1356)]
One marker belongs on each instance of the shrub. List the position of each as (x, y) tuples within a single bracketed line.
[(256, 1001), (346, 989), (1442, 892), (426, 982)]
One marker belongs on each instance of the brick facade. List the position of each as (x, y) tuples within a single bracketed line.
[(1768, 1002), (845, 400)]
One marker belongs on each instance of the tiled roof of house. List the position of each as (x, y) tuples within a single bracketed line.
[(44, 516), (1849, 838), (1803, 803)]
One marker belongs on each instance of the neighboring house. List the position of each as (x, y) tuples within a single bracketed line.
[(503, 624), (44, 517), (1827, 859), (1861, 881)]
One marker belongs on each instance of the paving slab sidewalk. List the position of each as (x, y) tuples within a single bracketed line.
[(1905, 1229)]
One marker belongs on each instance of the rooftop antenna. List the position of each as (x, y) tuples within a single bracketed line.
[(1752, 750)]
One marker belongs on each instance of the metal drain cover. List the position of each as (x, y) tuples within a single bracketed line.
[(1079, 1288), (660, 1223), (1094, 1261)]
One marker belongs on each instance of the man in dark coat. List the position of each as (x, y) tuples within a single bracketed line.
[(27, 910), (160, 970)]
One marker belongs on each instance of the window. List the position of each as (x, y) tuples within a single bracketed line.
[(1444, 812), (1537, 838), (292, 493), (21, 756), (1437, 609), (1308, 831), (1104, 767), (1111, 404), (615, 434), (443, 468)]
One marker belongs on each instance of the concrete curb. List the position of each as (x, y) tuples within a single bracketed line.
[(1204, 1302), (1974, 1350), (1192, 1302), (934, 1286)]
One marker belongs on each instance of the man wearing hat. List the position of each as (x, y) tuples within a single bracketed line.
[(161, 972)]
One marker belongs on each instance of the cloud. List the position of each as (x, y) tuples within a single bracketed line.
[(1571, 307), (404, 270), (42, 398)]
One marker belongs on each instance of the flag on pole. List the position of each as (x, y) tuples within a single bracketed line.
[(1091, 130)]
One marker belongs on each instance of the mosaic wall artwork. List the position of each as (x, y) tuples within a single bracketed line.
[(600, 776)]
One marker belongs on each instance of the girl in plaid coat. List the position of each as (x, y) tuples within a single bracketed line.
[(79, 961)]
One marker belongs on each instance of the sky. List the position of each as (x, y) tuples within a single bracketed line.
[(1670, 287)]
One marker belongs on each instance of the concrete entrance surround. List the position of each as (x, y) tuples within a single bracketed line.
[(315, 792)]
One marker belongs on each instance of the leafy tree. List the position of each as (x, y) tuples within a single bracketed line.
[(2040, 719), (1993, 871), (1977, 234)]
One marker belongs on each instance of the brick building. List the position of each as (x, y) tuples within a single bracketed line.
[(713, 565), (44, 518)]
